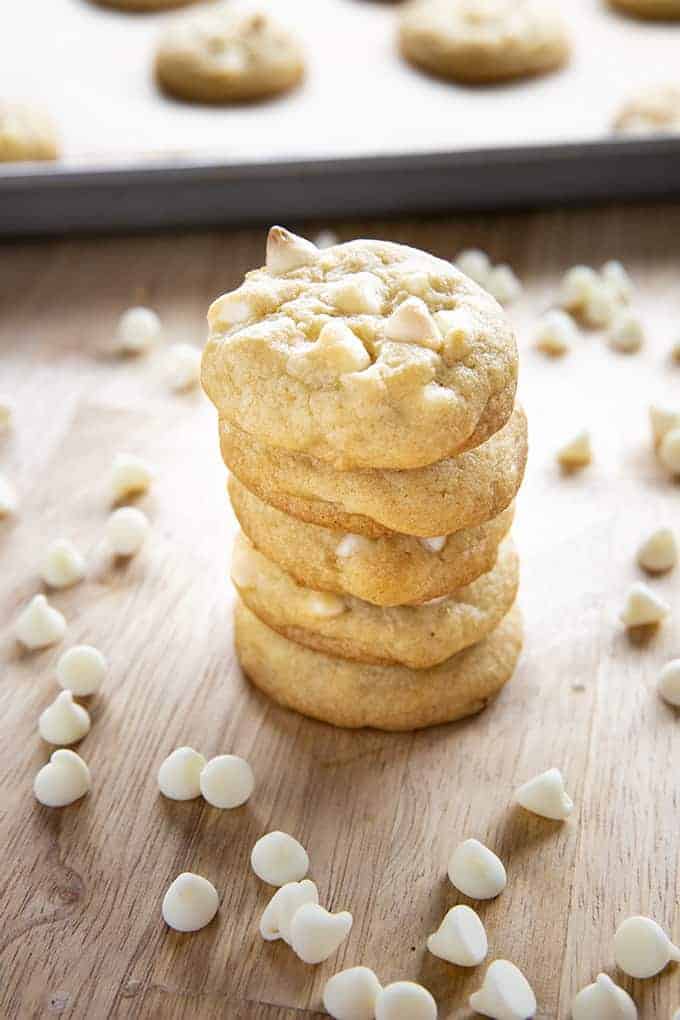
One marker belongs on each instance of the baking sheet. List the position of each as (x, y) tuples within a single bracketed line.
[(91, 67)]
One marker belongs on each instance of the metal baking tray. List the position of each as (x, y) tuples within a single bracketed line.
[(365, 134)]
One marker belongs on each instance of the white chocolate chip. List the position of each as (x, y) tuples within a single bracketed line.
[(286, 251), (475, 264), (669, 451), (476, 871), (324, 605), (411, 322), (577, 453), (457, 327), (556, 332), (405, 1000), (278, 914), (505, 994), (5, 414), (616, 276), (626, 333), (64, 721), (326, 239), (659, 552), (669, 682), (81, 670), (232, 309), (63, 565), (434, 545), (63, 780), (602, 306), (545, 795), (8, 498), (642, 948), (126, 529), (643, 606), (138, 329), (603, 1000), (315, 933), (277, 858), (662, 420), (190, 903), (350, 545), (503, 284), (337, 351), (227, 781), (359, 294), (460, 938), (179, 776), (129, 475), (577, 286), (182, 366), (40, 624), (351, 994)]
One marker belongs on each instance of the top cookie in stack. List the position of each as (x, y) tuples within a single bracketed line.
[(366, 409)]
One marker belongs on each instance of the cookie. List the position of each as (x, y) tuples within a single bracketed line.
[(661, 10), (362, 355), (390, 571), (483, 40), (142, 6), (355, 694), (654, 110), (222, 55), (460, 492), (26, 133), (413, 636)]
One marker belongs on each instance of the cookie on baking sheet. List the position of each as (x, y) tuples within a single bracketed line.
[(390, 571), (415, 636), (483, 40), (26, 133), (460, 492), (362, 355), (222, 54), (355, 694), (653, 110), (661, 10)]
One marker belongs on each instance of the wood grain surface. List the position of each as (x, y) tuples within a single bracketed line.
[(80, 888)]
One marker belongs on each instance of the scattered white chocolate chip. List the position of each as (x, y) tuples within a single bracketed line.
[(326, 239), (577, 286), (669, 451), (63, 780), (40, 624), (577, 453), (505, 994), (545, 795), (616, 276), (659, 552), (411, 322), (669, 682), (405, 1000), (182, 366), (126, 529), (63, 565), (642, 948), (81, 670), (603, 1000), (64, 721), (351, 994), (277, 858), (434, 545), (227, 781), (457, 327), (350, 545), (474, 263), (129, 475), (503, 284), (179, 776), (325, 605), (460, 938), (626, 333), (476, 871), (315, 933), (596, 297), (5, 414), (662, 420), (286, 251), (190, 902), (359, 294), (643, 606), (556, 332), (278, 914), (138, 329), (8, 498)]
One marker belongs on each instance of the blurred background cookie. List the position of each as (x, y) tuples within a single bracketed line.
[(26, 133), (142, 6), (660, 9), (653, 110)]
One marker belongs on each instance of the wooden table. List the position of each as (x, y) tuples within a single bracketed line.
[(81, 887)]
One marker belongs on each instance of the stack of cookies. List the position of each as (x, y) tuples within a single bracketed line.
[(366, 401)]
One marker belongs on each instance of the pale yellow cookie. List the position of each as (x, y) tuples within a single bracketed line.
[(221, 54), (26, 133), (355, 694), (363, 355), (142, 6), (390, 571), (414, 636), (654, 110), (655, 9), (483, 40), (460, 492)]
